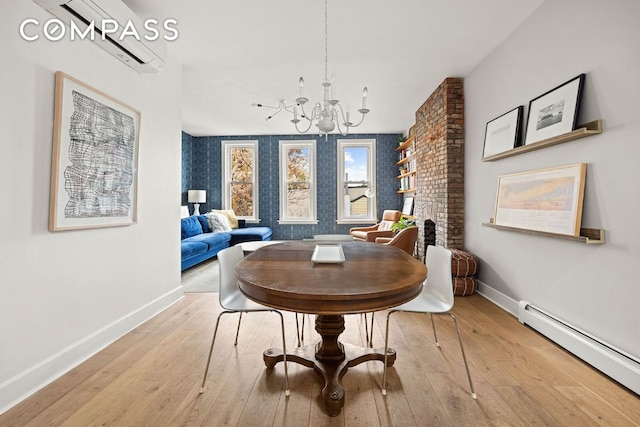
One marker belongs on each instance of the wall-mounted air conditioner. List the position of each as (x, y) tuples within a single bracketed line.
[(140, 54)]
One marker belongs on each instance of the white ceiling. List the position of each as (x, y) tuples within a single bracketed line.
[(238, 52)]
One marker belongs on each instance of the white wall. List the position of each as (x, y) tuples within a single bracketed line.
[(595, 287), (65, 295)]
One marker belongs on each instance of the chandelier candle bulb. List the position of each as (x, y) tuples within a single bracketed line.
[(365, 92)]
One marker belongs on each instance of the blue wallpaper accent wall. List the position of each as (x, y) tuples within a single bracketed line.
[(204, 173), (186, 165)]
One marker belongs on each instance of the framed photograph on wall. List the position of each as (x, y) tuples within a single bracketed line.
[(544, 200), (555, 112), (94, 163), (503, 133)]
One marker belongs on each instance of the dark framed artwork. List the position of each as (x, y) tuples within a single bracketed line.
[(503, 133), (94, 163), (555, 112)]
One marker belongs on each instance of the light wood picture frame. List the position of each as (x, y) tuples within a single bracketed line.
[(94, 162), (547, 200)]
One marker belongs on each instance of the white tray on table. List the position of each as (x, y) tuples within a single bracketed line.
[(328, 254)]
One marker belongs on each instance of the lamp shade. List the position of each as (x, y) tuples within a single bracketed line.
[(197, 196)]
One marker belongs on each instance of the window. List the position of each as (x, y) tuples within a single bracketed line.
[(240, 178), (298, 182), (356, 181)]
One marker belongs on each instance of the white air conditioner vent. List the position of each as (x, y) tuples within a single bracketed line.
[(142, 55)]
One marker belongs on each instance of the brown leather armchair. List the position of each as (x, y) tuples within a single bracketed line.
[(381, 229), (405, 239)]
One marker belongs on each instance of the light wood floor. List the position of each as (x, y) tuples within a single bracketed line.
[(151, 377)]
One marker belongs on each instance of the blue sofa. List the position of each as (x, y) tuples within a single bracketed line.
[(198, 243)]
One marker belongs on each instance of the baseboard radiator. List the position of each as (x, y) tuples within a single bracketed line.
[(613, 362)]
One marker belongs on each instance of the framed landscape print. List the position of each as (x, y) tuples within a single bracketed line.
[(555, 112), (503, 133), (94, 164), (544, 200)]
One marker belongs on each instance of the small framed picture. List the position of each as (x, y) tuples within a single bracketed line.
[(503, 133), (407, 208), (555, 112)]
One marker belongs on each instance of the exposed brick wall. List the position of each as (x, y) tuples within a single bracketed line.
[(439, 134)]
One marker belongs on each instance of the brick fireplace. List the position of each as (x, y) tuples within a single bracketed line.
[(439, 135)]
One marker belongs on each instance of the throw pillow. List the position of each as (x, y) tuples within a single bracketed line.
[(190, 226), (230, 214), (204, 223), (218, 222)]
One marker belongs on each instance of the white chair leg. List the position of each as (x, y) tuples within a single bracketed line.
[(213, 340), (366, 327), (371, 331), (433, 326), (284, 356), (238, 330), (368, 332), (298, 330), (386, 350), (464, 357)]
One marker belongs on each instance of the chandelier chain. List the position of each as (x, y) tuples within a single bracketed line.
[(326, 42)]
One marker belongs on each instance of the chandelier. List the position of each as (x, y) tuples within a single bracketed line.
[(328, 114)]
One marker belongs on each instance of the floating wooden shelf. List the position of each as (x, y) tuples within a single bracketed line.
[(405, 144), (405, 160), (408, 190), (587, 235), (402, 175), (587, 129)]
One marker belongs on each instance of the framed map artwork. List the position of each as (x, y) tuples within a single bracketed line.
[(544, 200), (94, 162)]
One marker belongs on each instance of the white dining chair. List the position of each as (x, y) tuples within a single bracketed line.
[(436, 298), (234, 301)]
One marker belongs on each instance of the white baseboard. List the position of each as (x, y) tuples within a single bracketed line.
[(506, 303), (611, 361), (23, 385)]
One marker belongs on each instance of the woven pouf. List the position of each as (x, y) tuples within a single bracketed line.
[(463, 264), (463, 267), (463, 286)]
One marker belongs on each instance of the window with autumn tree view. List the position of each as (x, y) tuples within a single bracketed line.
[(298, 182), (240, 183)]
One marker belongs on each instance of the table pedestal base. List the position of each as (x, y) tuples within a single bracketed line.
[(330, 359)]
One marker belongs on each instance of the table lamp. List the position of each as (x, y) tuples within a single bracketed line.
[(196, 197)]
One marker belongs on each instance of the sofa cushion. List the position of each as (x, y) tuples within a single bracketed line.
[(191, 248), (239, 235), (211, 239), (190, 226)]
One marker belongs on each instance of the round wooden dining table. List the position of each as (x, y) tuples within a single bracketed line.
[(371, 277)]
